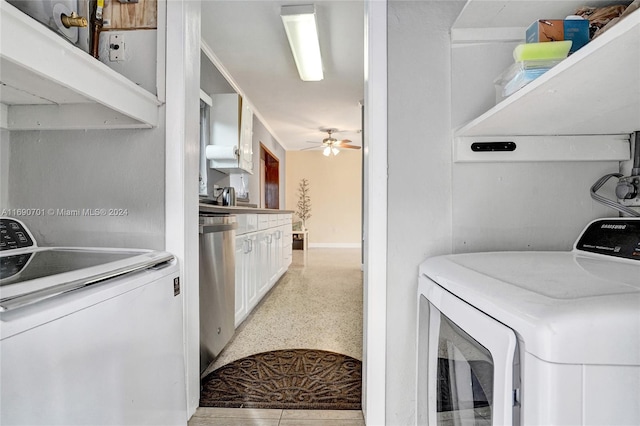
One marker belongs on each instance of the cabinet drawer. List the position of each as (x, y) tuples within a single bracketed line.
[(263, 221), (284, 219), (246, 223), (242, 224), (252, 222), (273, 220)]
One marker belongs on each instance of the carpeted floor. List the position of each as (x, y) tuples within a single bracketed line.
[(286, 379)]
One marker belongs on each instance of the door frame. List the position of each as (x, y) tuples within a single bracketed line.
[(375, 214)]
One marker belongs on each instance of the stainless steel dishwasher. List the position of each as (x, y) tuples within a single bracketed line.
[(217, 284)]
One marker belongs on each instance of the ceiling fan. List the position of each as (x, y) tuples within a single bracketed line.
[(331, 145)]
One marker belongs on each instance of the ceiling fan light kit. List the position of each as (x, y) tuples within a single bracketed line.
[(302, 31), (328, 150), (330, 145)]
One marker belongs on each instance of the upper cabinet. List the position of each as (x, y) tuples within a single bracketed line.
[(231, 133), (595, 91), (48, 83)]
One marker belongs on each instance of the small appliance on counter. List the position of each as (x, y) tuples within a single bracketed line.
[(225, 197), (228, 196)]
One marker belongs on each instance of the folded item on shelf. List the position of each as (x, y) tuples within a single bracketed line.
[(551, 50), (519, 75)]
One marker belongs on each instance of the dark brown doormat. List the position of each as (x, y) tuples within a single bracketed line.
[(286, 379)]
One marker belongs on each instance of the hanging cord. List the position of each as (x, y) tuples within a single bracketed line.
[(635, 141), (610, 203)]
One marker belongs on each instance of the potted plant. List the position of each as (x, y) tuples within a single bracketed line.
[(303, 210)]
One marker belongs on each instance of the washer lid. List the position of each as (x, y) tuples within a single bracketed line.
[(30, 276), (566, 307)]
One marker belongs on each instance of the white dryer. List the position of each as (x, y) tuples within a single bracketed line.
[(533, 338)]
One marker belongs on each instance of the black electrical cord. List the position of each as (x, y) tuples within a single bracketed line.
[(636, 153)]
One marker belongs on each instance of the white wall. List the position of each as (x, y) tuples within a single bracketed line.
[(419, 185), (335, 189), (436, 206), (76, 169)]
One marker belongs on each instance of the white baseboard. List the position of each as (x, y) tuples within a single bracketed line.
[(334, 245)]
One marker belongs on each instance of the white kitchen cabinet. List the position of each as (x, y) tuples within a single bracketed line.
[(583, 109), (262, 257), (264, 241), (246, 138), (246, 292), (49, 83), (276, 254), (251, 273), (285, 222), (232, 126), (242, 249)]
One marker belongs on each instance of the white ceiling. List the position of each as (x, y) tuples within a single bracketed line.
[(248, 39)]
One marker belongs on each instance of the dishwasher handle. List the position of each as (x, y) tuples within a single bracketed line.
[(218, 227)]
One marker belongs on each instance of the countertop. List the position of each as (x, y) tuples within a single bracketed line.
[(211, 208)]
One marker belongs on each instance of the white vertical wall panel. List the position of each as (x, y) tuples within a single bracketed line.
[(182, 167), (375, 311), (524, 206), (419, 185)]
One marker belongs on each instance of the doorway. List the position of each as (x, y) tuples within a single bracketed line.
[(269, 179)]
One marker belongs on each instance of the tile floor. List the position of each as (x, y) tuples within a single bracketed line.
[(317, 304), (258, 417)]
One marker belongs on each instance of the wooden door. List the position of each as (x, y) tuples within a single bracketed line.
[(271, 182)]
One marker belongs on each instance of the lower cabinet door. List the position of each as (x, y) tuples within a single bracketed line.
[(261, 258), (240, 293), (251, 273)]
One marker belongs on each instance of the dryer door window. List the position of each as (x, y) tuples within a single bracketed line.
[(466, 363), (465, 371)]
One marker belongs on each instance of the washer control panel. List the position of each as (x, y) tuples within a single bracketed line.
[(612, 237), (14, 235)]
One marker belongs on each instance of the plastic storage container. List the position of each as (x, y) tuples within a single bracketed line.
[(519, 75)]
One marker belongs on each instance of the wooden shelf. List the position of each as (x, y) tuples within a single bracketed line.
[(48, 83), (595, 91)]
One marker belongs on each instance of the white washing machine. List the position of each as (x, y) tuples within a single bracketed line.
[(88, 335), (533, 338)]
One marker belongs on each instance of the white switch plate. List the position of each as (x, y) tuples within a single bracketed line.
[(116, 47)]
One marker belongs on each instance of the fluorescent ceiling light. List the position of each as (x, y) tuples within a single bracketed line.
[(302, 31)]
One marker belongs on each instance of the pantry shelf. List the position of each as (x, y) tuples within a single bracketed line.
[(48, 83), (595, 91)]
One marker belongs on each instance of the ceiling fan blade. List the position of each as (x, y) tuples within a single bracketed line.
[(349, 146), (343, 141), (311, 147)]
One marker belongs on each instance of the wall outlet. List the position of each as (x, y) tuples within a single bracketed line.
[(116, 47)]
